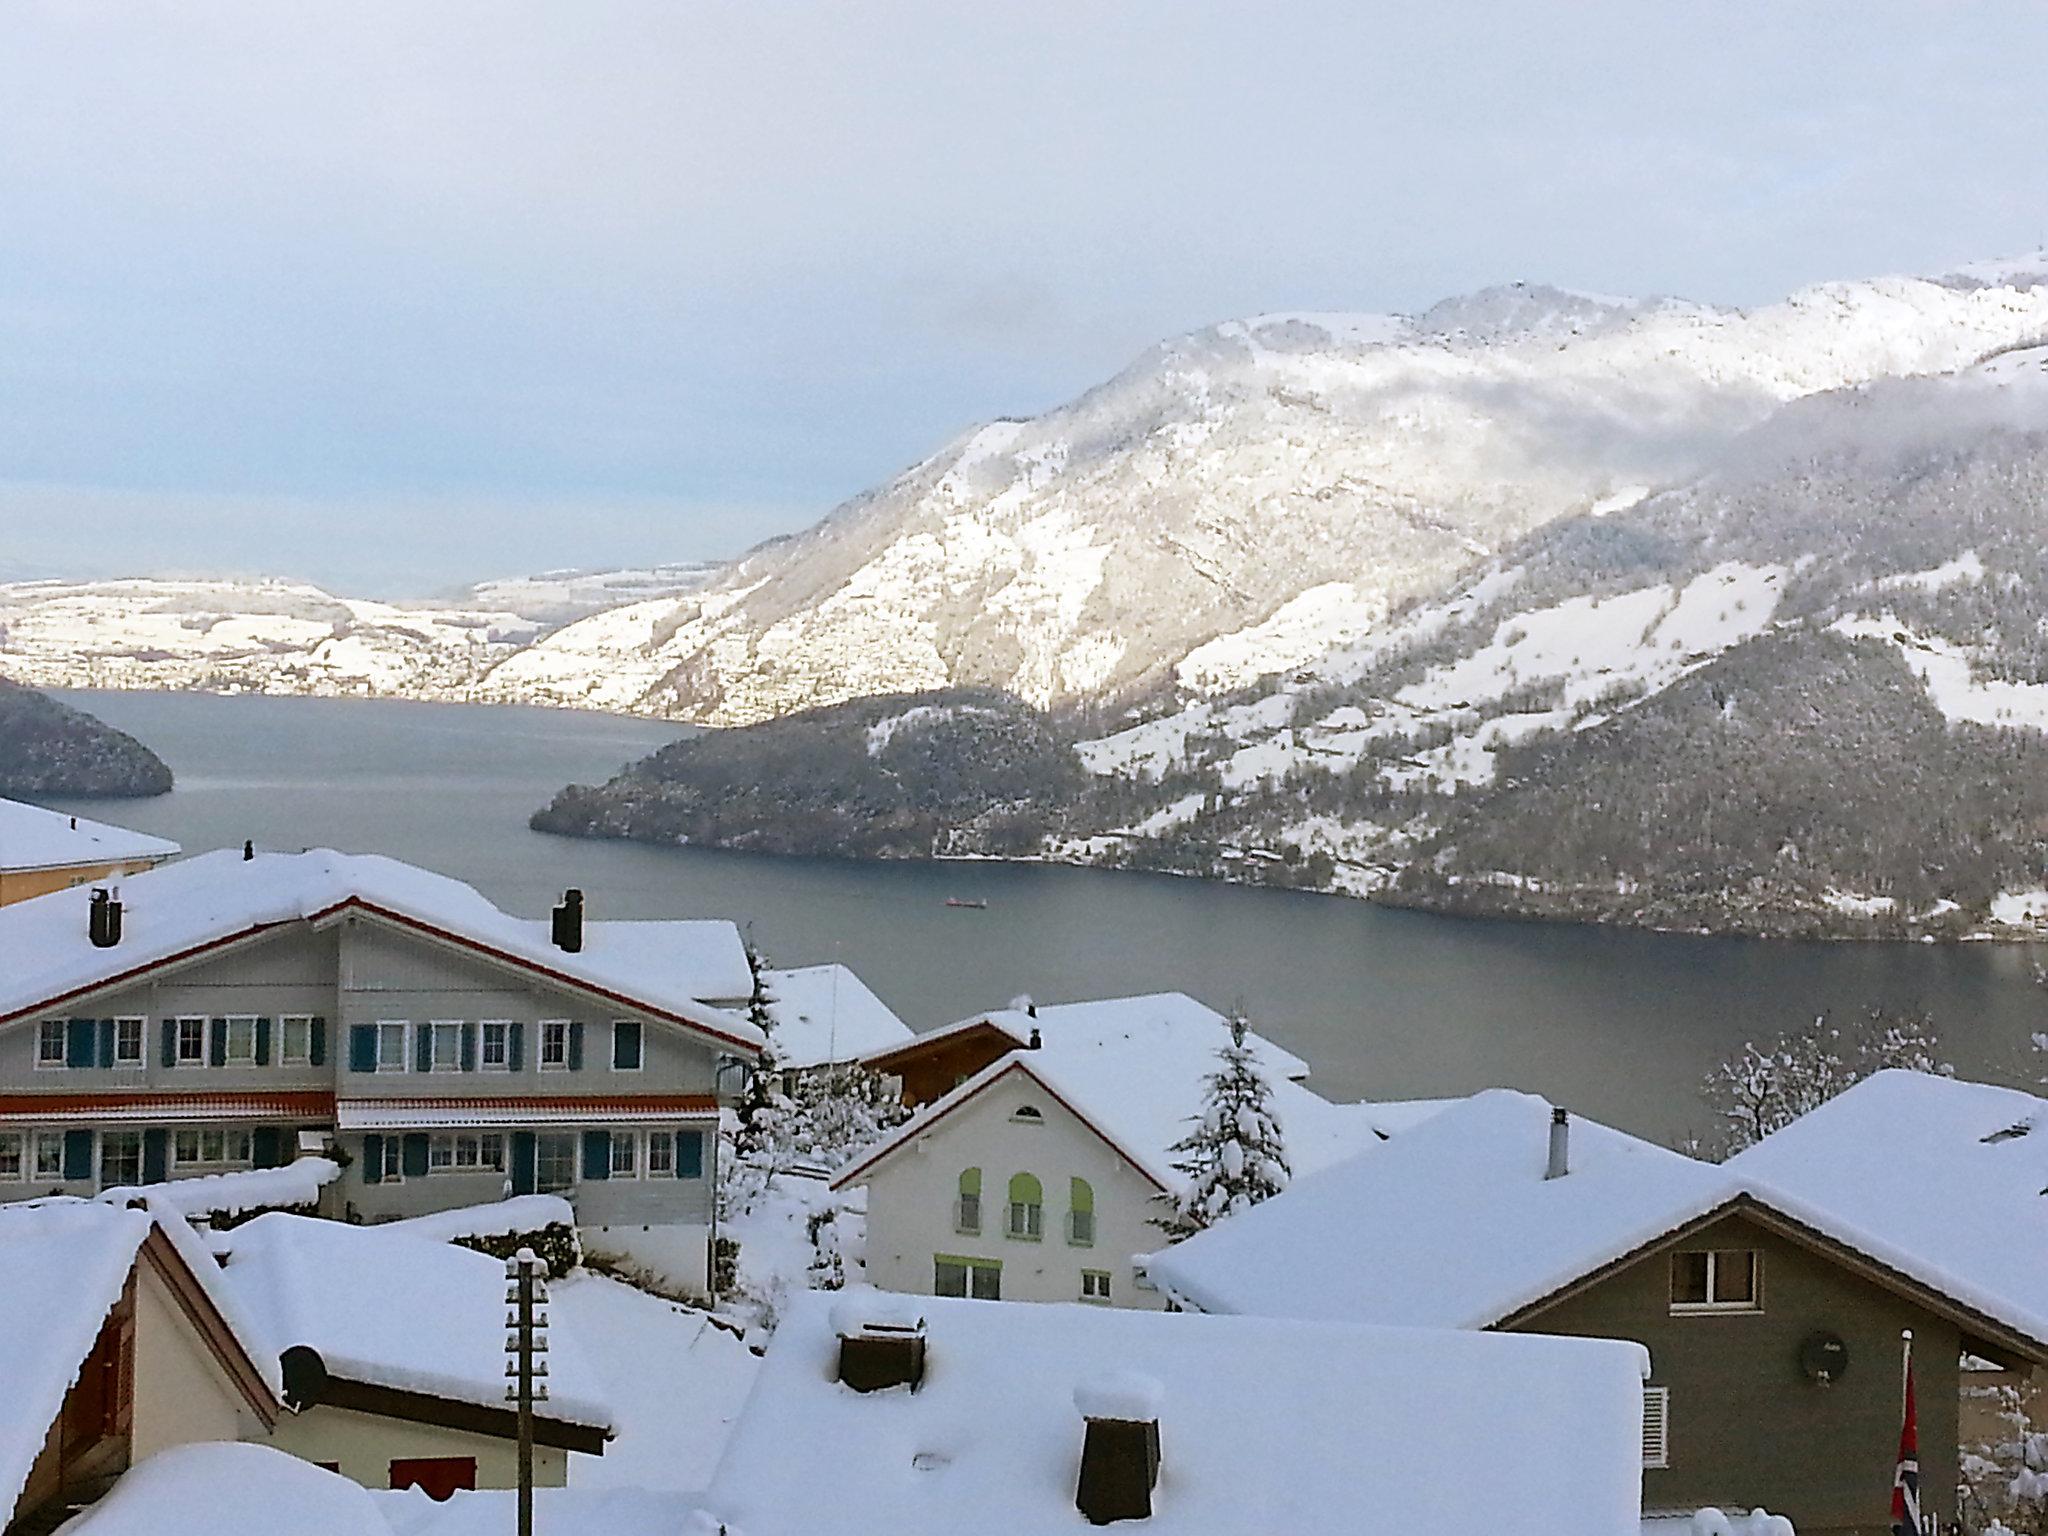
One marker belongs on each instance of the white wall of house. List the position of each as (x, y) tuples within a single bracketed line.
[(363, 1446), (183, 1394), (912, 1195)]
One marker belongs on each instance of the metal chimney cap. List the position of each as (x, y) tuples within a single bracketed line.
[(1559, 1114)]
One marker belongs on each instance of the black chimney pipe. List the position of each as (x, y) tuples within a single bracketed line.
[(568, 924), (248, 851), (103, 920)]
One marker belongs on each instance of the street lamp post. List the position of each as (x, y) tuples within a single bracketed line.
[(526, 1339)]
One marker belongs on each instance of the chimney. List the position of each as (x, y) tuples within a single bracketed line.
[(1036, 1042), (74, 823), (103, 920), (1120, 1447), (1560, 1145), (248, 850), (881, 1341), (569, 922)]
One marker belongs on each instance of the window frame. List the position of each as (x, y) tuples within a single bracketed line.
[(1713, 1305), (436, 1029), (629, 1143), (122, 1022), (286, 1056), (1102, 1279), (228, 1024), (391, 1159), (483, 1045), (404, 1031), (127, 1139), (21, 1141), (1024, 1220), (668, 1140), (46, 1062), (572, 1158), (639, 1036), (971, 1268), (53, 1143), (542, 1028), (191, 1028)]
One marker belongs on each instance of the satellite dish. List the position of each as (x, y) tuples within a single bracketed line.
[(1824, 1358)]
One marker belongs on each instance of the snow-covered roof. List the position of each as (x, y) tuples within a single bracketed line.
[(395, 1310), (1134, 1069), (577, 1511), (230, 1489), (500, 1218), (229, 1194), (700, 957), (1954, 1170), (33, 838), (825, 1013), (201, 902), (1264, 1425)]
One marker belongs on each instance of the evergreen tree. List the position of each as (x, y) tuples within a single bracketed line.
[(1234, 1157), (761, 1119)]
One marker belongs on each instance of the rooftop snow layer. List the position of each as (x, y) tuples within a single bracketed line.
[(1263, 1426), (227, 1489), (33, 838), (704, 958), (826, 1013), (216, 897), (329, 1286), (577, 1511), (520, 1213), (229, 1194)]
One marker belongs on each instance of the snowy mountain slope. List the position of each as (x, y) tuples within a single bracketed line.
[(1207, 515)]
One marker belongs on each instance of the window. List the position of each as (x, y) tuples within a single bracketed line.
[(1656, 1426), (49, 1154), (120, 1158), (296, 1031), (191, 1042), (967, 1209), (1027, 1208), (625, 1155), (490, 1151), (1025, 1114), (128, 1042), (1095, 1285), (661, 1155), (1081, 1214), (392, 1160), (1716, 1280), (497, 1052), (241, 1039), (11, 1155), (554, 1045), (468, 1152), (445, 1045), (50, 1043), (554, 1162), (440, 1154), (980, 1278), (215, 1147), (626, 1045), (391, 1045)]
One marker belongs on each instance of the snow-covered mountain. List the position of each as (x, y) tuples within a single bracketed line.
[(1241, 497)]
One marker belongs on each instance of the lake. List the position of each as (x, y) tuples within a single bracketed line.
[(1384, 1003)]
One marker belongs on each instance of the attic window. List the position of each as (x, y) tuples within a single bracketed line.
[(1717, 1280), (2012, 1132), (1027, 1114)]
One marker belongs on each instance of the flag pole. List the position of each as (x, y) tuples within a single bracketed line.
[(1905, 1366)]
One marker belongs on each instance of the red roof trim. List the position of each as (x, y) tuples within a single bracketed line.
[(310, 1104), (120, 977), (670, 1103)]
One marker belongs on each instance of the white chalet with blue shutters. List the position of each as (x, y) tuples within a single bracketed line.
[(210, 1014)]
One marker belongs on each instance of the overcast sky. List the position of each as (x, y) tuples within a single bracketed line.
[(394, 294)]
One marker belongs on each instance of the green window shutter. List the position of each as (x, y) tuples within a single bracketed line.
[(689, 1154), (575, 1045), (515, 1047), (597, 1154), (316, 1043), (626, 1045), (170, 1034), (156, 1155), (1080, 1196), (81, 1042), (412, 1155), (218, 1053), (469, 1047), (77, 1155), (1026, 1190), (262, 1042), (525, 1156), (373, 1159), (106, 1051), (422, 1047), (265, 1146), (970, 1182), (362, 1048)]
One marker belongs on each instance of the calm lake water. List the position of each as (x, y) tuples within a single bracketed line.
[(1384, 1003)]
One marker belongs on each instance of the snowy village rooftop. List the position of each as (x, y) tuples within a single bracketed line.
[(1261, 1426), (32, 838), (665, 968), (825, 1013)]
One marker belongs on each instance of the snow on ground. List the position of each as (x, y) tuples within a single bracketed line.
[(1966, 568), (673, 1378), (1853, 905), (556, 1512), (882, 732), (2020, 909), (226, 1489), (775, 1242), (1950, 679), (1299, 630)]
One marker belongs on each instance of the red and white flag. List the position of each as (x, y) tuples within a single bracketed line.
[(1906, 1479)]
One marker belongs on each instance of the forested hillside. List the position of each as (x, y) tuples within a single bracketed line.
[(51, 749)]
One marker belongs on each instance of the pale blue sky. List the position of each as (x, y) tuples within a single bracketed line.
[(394, 294)]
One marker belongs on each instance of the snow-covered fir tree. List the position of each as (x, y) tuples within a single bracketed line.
[(761, 1127), (1235, 1156)]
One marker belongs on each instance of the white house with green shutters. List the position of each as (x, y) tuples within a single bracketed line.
[(229, 1011)]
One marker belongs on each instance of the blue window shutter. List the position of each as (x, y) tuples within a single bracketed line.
[(525, 1157), (689, 1154), (264, 1144), (263, 1042), (218, 1054), (412, 1154), (373, 1158), (515, 1046), (362, 1047), (78, 1154), (626, 1045), (422, 1048), (156, 1155), (106, 1042), (469, 1047), (170, 1042), (597, 1154), (575, 1045), (80, 1042), (316, 1043)]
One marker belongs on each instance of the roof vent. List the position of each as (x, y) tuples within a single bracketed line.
[(248, 850), (1560, 1145), (881, 1341), (1036, 1040), (1120, 1453), (1023, 1004), (568, 927), (103, 920), (305, 1376)]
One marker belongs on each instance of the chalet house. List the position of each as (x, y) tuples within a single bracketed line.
[(120, 1344), (1772, 1322), (401, 1386), (944, 1416), (43, 851), (224, 1009), (1040, 1176)]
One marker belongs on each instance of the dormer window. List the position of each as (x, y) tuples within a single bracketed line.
[(1025, 1114)]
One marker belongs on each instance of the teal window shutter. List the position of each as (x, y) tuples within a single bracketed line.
[(626, 1045), (80, 1043), (106, 1053), (575, 1045), (597, 1154), (77, 1155), (469, 1047), (170, 1033), (262, 1042), (689, 1154), (515, 1047), (362, 1048), (373, 1159), (264, 1144), (525, 1157), (423, 1048), (156, 1155), (412, 1154), (316, 1043), (218, 1051)]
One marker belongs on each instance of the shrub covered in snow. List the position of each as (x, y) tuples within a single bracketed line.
[(1763, 1088), (554, 1244)]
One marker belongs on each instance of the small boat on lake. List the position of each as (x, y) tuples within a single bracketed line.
[(971, 904)]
